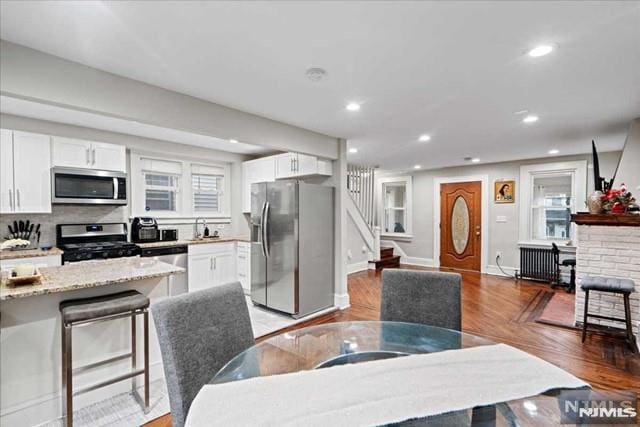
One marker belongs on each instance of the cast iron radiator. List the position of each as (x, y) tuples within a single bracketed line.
[(538, 264)]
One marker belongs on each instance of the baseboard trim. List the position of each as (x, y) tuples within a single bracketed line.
[(423, 262), (494, 270), (357, 266), (341, 301)]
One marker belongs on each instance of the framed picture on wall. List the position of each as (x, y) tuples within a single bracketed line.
[(504, 191)]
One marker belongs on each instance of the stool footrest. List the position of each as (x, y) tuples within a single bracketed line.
[(102, 362), (109, 382), (599, 316)]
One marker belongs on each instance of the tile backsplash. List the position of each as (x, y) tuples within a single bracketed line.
[(70, 214), (65, 214)]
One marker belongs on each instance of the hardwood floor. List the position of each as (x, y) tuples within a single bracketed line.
[(503, 310)]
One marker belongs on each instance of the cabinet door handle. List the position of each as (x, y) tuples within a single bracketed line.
[(18, 198), (88, 150), (215, 263), (93, 154), (11, 199), (291, 165)]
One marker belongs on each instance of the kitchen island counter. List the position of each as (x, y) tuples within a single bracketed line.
[(90, 274), (29, 253)]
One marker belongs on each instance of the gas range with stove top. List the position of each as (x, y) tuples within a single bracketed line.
[(82, 242)]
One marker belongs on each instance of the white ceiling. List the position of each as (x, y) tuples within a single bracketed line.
[(53, 113), (455, 70)]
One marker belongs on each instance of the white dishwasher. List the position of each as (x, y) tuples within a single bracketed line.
[(174, 255)]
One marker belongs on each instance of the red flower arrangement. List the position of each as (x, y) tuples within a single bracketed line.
[(617, 200)]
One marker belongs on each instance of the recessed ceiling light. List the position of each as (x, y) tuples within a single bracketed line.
[(424, 138), (353, 150), (417, 166), (475, 160), (233, 141), (541, 50), (353, 106), (530, 119), (554, 151)]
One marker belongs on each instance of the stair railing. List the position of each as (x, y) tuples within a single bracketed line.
[(361, 187)]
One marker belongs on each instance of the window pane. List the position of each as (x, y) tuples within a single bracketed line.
[(394, 195), (160, 180), (551, 207), (206, 192), (160, 200), (394, 221)]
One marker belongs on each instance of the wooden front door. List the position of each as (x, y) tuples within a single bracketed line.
[(460, 225)]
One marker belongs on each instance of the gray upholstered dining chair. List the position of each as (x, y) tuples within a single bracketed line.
[(199, 332), (427, 297)]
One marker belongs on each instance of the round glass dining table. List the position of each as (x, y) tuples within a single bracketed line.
[(331, 344)]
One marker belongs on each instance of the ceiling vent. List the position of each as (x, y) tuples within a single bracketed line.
[(315, 74)]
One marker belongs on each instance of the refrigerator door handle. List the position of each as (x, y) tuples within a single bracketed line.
[(262, 227), (265, 228)]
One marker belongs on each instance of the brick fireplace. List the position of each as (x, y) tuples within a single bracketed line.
[(608, 245)]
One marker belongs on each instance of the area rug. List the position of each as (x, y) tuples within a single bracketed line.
[(559, 310)]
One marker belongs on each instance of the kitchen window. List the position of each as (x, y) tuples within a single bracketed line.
[(160, 193), (177, 189), (550, 194), (207, 188), (394, 212)]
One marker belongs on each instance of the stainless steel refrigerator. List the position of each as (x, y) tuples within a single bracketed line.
[(292, 246)]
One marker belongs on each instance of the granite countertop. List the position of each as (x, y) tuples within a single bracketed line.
[(90, 274), (169, 243), (28, 253)]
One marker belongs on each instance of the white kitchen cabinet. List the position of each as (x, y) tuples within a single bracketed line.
[(281, 166), (109, 157), (291, 165), (243, 258), (211, 265), (25, 180), (71, 153), (259, 170), (76, 153), (6, 171)]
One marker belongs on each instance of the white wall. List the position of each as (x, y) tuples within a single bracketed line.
[(502, 236), (629, 171), (357, 252), (40, 77)]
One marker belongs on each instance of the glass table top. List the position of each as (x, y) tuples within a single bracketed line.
[(333, 344)]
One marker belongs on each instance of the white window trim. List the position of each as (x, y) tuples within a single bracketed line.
[(407, 180), (185, 211), (578, 169)]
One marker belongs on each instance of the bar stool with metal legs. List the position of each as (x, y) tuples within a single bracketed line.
[(80, 312), (612, 285)]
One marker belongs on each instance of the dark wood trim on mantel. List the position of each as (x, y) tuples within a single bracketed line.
[(615, 220)]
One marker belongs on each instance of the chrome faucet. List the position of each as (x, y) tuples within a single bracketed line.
[(196, 232)]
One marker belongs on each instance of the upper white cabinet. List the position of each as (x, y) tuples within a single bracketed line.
[(259, 170), (281, 166), (25, 179), (292, 165), (76, 153)]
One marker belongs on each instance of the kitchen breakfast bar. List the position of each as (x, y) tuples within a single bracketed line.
[(30, 335)]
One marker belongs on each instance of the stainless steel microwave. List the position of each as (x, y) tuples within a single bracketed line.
[(88, 186)]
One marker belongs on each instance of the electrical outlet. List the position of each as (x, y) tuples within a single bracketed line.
[(349, 254), (364, 249), (498, 255)]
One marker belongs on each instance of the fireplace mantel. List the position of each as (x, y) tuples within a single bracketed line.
[(627, 220)]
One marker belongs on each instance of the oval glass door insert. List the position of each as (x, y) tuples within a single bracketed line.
[(460, 225)]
